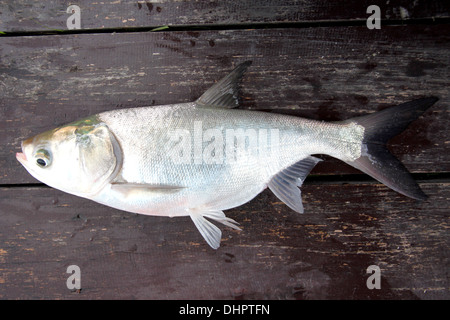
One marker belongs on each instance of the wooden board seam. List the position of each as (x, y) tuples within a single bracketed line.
[(234, 26)]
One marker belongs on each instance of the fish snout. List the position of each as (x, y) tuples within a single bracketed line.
[(21, 156)]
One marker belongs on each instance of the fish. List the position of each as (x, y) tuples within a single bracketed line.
[(201, 158)]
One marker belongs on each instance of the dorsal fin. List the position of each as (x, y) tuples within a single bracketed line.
[(225, 93)]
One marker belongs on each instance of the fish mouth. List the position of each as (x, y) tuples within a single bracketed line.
[(20, 156)]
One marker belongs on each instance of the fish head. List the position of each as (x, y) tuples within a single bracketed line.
[(79, 158)]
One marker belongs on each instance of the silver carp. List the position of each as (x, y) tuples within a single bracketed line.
[(200, 158)]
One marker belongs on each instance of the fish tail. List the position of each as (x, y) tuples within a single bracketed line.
[(375, 159)]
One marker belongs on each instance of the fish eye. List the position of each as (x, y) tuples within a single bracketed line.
[(43, 158), (41, 162)]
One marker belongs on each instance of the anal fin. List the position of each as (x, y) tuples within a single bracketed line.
[(285, 183)]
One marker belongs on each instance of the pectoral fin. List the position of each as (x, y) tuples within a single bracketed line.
[(207, 229), (127, 189), (285, 184)]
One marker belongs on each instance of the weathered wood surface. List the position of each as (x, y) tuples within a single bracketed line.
[(327, 73), (317, 73), (279, 254), (23, 15)]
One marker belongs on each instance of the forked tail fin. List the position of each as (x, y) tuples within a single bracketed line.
[(375, 159)]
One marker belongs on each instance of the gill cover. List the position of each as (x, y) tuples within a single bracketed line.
[(100, 156)]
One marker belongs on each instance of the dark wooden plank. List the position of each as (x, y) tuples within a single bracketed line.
[(25, 15), (318, 73), (323, 253)]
